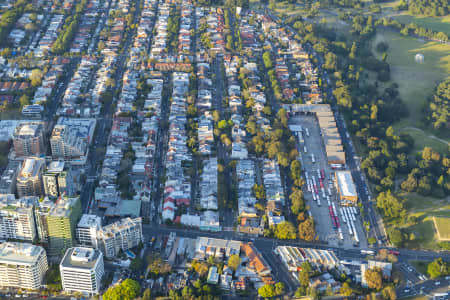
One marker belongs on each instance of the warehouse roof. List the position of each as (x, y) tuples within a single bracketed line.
[(346, 185)]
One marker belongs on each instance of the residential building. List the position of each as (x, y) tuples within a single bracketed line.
[(22, 265), (29, 179), (82, 270), (9, 178), (57, 180), (121, 235), (323, 282), (17, 218), (28, 139), (56, 223), (87, 230), (256, 261), (205, 247), (71, 138), (66, 143), (213, 275)]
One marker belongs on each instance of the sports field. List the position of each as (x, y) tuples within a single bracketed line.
[(416, 80)]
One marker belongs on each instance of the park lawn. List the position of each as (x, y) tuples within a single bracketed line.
[(416, 81), (421, 140), (443, 226), (438, 24), (424, 209)]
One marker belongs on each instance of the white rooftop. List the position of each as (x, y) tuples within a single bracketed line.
[(346, 185), (19, 253)]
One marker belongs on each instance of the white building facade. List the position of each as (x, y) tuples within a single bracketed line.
[(87, 230), (82, 270), (121, 235), (22, 265)]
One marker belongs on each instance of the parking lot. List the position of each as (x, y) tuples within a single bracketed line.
[(320, 193)]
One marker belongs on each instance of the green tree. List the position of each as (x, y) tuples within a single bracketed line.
[(279, 288), (24, 100), (285, 231), (374, 278), (267, 291), (147, 294), (258, 191), (396, 236), (136, 264), (306, 230), (389, 293), (234, 261), (346, 290), (36, 77), (129, 289), (304, 274), (390, 204), (298, 203), (438, 268)]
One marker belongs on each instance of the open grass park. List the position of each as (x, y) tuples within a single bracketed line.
[(416, 81)]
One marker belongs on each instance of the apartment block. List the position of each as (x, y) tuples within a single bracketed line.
[(29, 179), (121, 235), (9, 178), (28, 139), (57, 180), (22, 265), (56, 223), (17, 218), (87, 230)]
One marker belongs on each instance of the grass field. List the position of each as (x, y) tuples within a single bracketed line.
[(436, 23), (442, 225), (424, 209), (416, 80)]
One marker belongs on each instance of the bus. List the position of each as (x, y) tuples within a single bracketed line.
[(368, 252)]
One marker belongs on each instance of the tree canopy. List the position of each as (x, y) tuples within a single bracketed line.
[(127, 290), (438, 268), (285, 231)]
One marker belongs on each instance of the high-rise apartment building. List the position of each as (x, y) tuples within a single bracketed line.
[(9, 178), (87, 230), (56, 223), (29, 179), (66, 143), (17, 218), (82, 270), (22, 265), (121, 235), (57, 180), (28, 139)]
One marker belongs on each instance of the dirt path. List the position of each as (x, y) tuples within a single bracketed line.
[(429, 136)]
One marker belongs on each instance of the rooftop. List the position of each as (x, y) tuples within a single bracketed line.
[(88, 221), (19, 253), (80, 258), (55, 167), (346, 185)]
